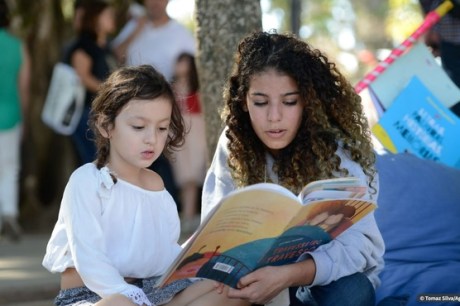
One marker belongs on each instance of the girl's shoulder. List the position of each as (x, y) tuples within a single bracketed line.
[(85, 174), (151, 181)]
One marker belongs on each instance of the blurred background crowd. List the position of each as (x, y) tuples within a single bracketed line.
[(181, 39)]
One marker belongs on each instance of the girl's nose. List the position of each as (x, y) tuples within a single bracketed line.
[(274, 112), (150, 136)]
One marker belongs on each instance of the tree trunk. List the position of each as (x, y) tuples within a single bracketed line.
[(221, 24)]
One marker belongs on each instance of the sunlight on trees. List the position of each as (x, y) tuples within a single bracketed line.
[(404, 17)]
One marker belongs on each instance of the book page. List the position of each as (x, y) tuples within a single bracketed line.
[(243, 227), (336, 188), (315, 224), (265, 224)]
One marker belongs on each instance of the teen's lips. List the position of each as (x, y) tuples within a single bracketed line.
[(276, 133), (148, 154)]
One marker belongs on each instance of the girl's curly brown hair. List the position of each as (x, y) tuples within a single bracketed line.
[(137, 82), (332, 115)]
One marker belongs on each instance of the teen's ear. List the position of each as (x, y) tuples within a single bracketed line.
[(103, 129)]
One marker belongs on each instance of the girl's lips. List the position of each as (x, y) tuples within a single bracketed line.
[(147, 154), (276, 133)]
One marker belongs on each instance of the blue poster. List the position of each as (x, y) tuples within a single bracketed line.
[(417, 122)]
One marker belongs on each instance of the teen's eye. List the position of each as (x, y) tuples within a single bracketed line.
[(260, 103), (290, 103), (163, 129), (138, 127)]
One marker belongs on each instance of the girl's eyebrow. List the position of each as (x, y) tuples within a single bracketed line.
[(147, 119), (284, 95)]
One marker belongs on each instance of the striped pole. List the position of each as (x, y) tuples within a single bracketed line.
[(430, 19)]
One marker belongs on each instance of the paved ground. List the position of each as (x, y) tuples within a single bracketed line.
[(23, 280)]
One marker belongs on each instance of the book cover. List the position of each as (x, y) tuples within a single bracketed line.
[(417, 61), (265, 224), (417, 122)]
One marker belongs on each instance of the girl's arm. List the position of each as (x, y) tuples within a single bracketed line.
[(128, 34), (83, 64)]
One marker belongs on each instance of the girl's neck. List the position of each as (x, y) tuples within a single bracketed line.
[(131, 175)]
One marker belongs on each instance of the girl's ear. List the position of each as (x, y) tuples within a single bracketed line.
[(105, 132)]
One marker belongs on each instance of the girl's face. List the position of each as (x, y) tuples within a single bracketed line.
[(274, 106), (182, 68), (139, 134), (106, 22)]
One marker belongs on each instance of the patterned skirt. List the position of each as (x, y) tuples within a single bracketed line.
[(82, 296)]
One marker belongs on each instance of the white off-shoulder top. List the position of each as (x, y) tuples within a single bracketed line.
[(109, 231)]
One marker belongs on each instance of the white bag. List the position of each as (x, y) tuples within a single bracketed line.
[(64, 101)]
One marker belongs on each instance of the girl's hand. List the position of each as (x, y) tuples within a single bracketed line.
[(219, 287), (262, 285)]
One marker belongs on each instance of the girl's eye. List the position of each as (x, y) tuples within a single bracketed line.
[(290, 102), (163, 129), (260, 103), (138, 127)]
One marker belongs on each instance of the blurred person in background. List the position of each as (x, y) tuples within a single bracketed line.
[(14, 98), (92, 60), (152, 37), (189, 162), (444, 40)]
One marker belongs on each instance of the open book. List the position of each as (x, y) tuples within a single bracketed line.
[(266, 224)]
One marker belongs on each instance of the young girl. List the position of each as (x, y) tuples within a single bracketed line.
[(189, 163), (118, 227), (292, 118)]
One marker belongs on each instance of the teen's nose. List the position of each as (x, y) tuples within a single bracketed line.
[(274, 112)]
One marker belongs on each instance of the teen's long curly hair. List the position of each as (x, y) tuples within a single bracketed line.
[(127, 83), (332, 115)]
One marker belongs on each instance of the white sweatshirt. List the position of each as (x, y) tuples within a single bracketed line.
[(358, 249)]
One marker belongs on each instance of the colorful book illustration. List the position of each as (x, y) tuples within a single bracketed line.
[(417, 122), (266, 224)]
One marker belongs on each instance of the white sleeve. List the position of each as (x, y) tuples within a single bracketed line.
[(81, 208), (358, 249), (218, 181)]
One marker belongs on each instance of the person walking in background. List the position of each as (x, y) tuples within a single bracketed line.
[(291, 118), (154, 38), (91, 58), (118, 228), (189, 163), (15, 69), (444, 40)]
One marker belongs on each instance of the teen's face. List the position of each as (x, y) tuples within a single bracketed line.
[(140, 133), (274, 106)]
